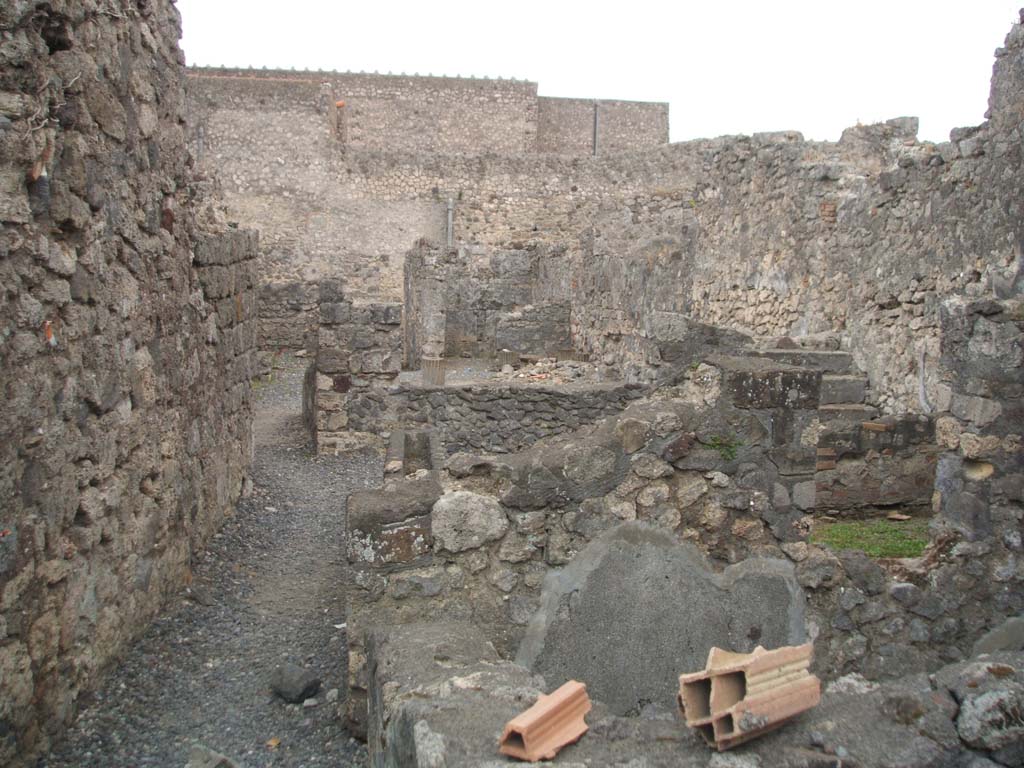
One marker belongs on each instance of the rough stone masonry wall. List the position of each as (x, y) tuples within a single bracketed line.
[(327, 208), (980, 482), (358, 354), (704, 462), (127, 335), (778, 236), (499, 418), (593, 126), (476, 300)]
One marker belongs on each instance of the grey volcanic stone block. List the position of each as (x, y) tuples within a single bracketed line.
[(293, 683), (1008, 636), (636, 608), (993, 720), (843, 389), (753, 382)]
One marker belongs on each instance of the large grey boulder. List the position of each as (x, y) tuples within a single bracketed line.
[(636, 609), (464, 520)]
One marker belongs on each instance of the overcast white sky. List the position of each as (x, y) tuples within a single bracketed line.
[(725, 66)]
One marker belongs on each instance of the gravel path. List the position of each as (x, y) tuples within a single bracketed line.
[(267, 590)]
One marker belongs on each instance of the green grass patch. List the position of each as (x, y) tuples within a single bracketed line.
[(726, 446), (876, 538)]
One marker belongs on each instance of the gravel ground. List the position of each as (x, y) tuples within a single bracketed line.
[(267, 590)]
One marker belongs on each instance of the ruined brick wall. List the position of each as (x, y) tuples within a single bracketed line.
[(127, 335), (718, 461), (767, 235)]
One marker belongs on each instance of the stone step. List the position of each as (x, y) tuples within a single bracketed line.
[(839, 388), (830, 362), (847, 412)]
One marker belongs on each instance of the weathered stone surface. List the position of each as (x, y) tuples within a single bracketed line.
[(439, 695), (622, 615), (464, 520), (842, 389), (1008, 636), (200, 756), (128, 343), (992, 720), (293, 683), (392, 527), (754, 383)]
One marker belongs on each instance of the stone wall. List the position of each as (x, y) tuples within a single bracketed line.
[(773, 236), (127, 348), (866, 466), (289, 314), (476, 300), (595, 126), (980, 484), (447, 115), (766, 235), (703, 462), (345, 192), (498, 418), (358, 354)]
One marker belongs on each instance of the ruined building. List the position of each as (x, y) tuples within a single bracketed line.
[(604, 374)]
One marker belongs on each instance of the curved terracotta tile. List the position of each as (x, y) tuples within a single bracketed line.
[(553, 722)]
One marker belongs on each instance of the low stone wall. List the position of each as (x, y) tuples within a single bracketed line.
[(440, 695), (718, 461), (500, 418)]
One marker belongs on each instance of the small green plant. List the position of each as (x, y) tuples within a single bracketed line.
[(875, 538), (726, 446)]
